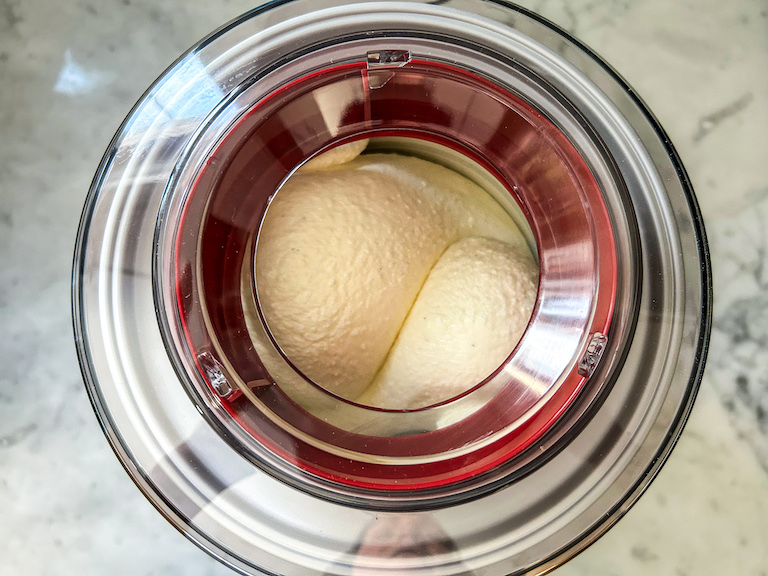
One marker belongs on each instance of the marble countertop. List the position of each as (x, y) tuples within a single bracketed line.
[(69, 73)]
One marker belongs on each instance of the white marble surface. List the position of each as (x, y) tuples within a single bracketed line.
[(70, 71)]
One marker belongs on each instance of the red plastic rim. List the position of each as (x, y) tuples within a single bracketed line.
[(534, 160)]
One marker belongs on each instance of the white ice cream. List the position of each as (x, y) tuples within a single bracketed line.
[(390, 280), (470, 313)]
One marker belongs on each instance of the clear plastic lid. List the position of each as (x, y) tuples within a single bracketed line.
[(209, 239), (270, 471)]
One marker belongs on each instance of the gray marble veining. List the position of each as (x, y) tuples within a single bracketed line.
[(738, 364), (69, 73)]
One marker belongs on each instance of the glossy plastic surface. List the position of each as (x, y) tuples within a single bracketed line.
[(261, 513), (535, 165)]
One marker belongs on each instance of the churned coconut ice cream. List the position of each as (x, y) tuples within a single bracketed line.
[(390, 280)]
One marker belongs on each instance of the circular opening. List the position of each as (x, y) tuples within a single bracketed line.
[(424, 107), (393, 273)]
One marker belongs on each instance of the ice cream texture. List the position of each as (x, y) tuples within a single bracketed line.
[(390, 280)]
